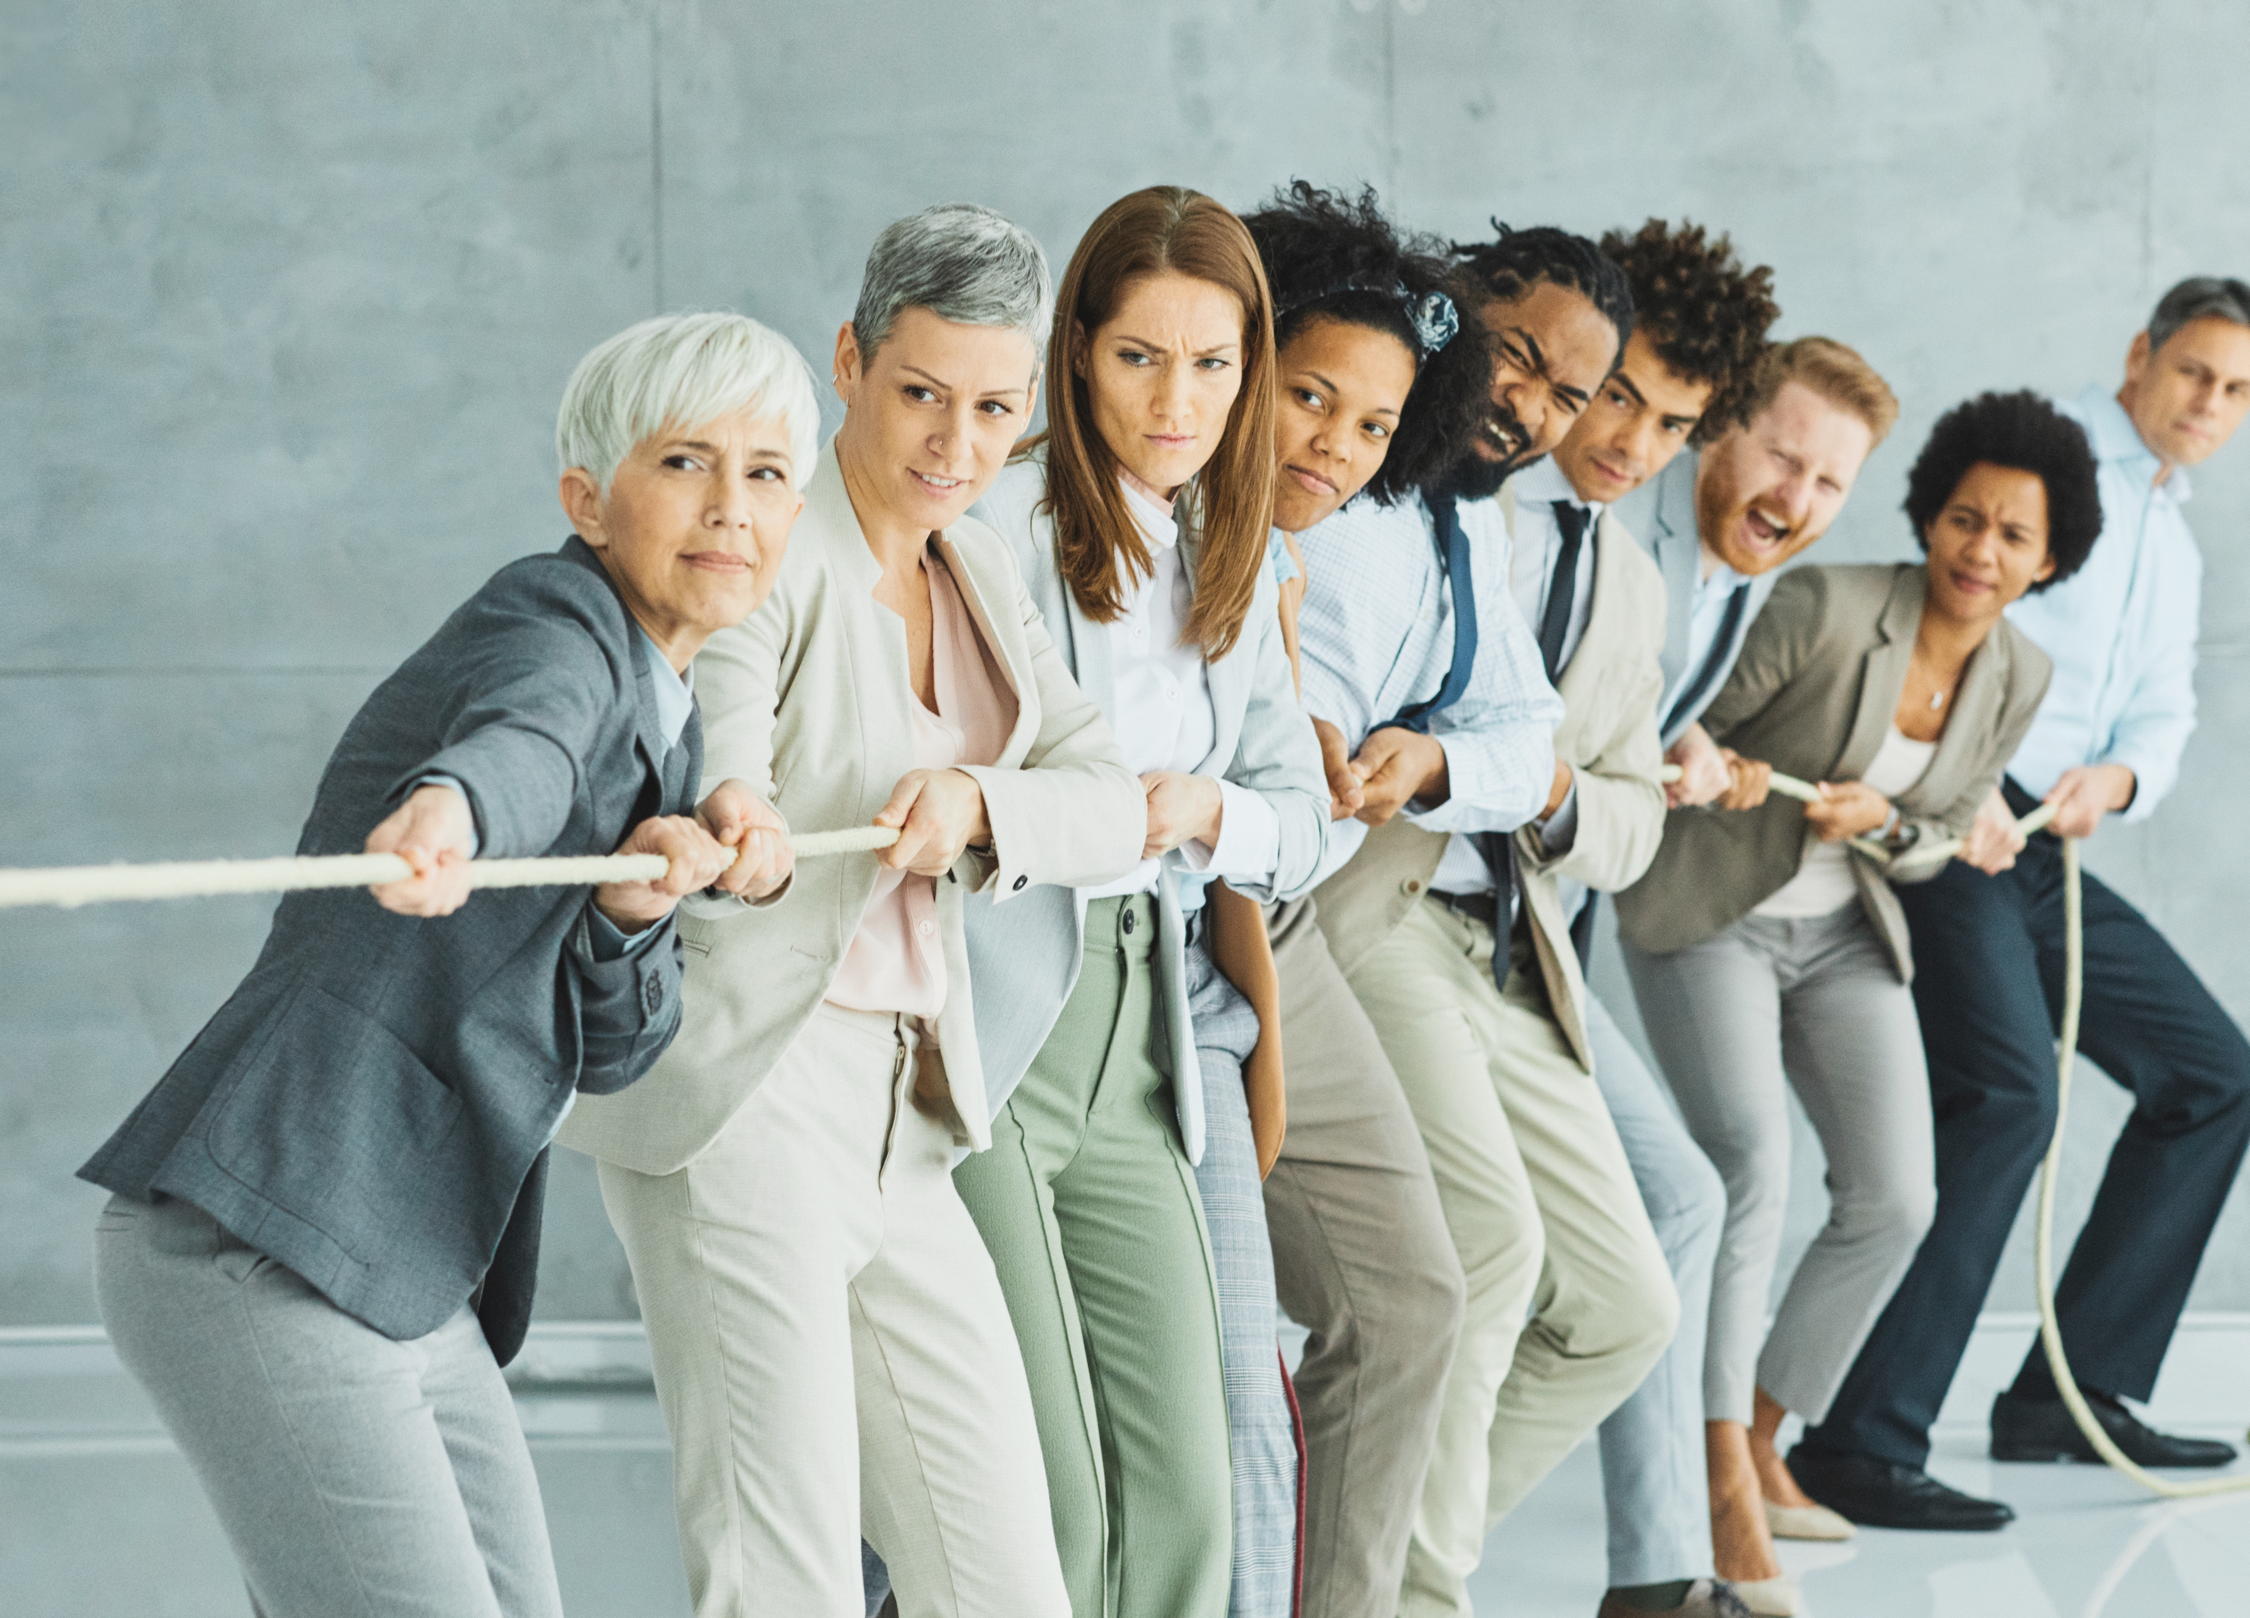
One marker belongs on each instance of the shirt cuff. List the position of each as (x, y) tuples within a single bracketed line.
[(1558, 833), (1249, 842), (611, 942), (476, 839)]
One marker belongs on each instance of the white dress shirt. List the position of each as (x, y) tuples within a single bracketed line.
[(2121, 630), (1164, 719), (1376, 633)]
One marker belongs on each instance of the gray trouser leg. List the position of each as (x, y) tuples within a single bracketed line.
[(1653, 1481), (356, 1477), (1815, 1006), (1263, 1438)]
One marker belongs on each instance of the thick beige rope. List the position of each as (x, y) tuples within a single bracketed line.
[(69, 886), (2050, 1171)]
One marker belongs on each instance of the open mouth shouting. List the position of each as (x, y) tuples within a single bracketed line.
[(1762, 534), (1502, 437)]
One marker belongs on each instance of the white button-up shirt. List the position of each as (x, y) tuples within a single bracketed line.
[(1376, 632), (2122, 629), (1164, 718)]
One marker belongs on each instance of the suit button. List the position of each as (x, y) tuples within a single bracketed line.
[(1127, 923), (1410, 885), (1018, 885), (652, 994)]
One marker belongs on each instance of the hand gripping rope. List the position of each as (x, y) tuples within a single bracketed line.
[(1929, 855)]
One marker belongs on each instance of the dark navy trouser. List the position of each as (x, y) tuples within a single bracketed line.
[(1988, 984)]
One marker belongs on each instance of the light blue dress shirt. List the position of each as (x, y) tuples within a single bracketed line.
[(1376, 633), (2121, 631)]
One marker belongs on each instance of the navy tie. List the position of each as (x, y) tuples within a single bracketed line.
[(1720, 655), (1562, 587), (1453, 560), (1498, 848)]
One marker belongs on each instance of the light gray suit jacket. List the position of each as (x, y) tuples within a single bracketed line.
[(1813, 693), (807, 704), (1673, 539), (1264, 741)]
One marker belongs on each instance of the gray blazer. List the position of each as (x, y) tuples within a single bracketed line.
[(371, 1107), (1812, 694), (1675, 541), (1264, 741)]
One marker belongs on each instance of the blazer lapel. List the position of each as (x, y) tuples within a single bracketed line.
[(1678, 550), (1883, 673), (1976, 712), (876, 665)]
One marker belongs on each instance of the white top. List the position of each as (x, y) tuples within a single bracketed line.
[(2121, 630), (1823, 883), (1164, 719)]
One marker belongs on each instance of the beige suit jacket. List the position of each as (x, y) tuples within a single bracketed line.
[(1609, 689), (1815, 689), (805, 702)]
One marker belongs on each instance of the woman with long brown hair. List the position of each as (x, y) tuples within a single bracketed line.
[(1140, 525)]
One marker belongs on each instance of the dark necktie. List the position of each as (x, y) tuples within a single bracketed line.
[(1720, 656), (1562, 587), (1453, 560), (1498, 849)]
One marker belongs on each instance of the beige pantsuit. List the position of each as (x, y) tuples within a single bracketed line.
[(1570, 1301), (831, 1349)]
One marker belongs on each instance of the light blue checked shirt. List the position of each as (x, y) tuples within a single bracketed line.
[(2121, 630), (1376, 632)]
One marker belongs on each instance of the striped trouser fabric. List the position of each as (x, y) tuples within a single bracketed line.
[(1260, 1429)]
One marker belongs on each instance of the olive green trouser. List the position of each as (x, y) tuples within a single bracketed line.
[(1089, 1207)]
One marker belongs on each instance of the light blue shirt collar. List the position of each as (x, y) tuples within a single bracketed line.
[(2116, 440), (675, 693)]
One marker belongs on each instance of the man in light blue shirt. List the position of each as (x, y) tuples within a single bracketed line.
[(1988, 945)]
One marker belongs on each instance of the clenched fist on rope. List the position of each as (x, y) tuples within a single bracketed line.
[(733, 842)]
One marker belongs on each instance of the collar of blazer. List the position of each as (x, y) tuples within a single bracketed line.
[(647, 733), (1678, 549), (1977, 705), (970, 551), (1087, 642)]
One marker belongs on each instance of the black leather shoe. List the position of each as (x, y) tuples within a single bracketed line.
[(2026, 1429), (1883, 1494)]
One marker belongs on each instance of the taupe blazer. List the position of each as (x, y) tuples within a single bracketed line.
[(1607, 736), (805, 702), (1813, 693)]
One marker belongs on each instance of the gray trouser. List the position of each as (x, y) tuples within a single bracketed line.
[(1814, 1006), (356, 1477), (1365, 1264), (1654, 1487), (1262, 1436)]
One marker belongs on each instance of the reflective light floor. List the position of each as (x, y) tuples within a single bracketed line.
[(100, 1519)]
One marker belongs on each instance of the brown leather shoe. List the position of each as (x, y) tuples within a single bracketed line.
[(1706, 1598)]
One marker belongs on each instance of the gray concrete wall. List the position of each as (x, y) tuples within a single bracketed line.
[(287, 295)]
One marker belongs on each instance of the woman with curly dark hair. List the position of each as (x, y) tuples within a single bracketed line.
[(1380, 387), (1767, 949)]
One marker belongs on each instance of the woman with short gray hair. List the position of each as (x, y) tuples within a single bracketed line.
[(325, 1223), (830, 1343)]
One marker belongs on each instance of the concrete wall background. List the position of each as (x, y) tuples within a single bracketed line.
[(287, 296)]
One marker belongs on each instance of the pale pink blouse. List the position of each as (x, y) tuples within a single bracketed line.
[(896, 961)]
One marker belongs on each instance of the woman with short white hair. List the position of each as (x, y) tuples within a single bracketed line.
[(829, 1340), (325, 1223)]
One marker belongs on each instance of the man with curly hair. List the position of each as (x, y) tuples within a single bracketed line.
[(1598, 604), (1988, 946)]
